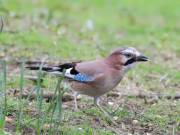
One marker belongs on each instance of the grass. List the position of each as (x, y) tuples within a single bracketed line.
[(83, 30), (3, 97)]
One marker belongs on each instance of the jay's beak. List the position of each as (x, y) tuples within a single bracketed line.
[(142, 58)]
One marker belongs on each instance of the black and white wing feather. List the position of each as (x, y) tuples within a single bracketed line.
[(68, 69)]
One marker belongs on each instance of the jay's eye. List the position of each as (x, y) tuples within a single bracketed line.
[(128, 55)]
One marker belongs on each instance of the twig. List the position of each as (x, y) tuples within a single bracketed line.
[(158, 95), (67, 97), (2, 24), (46, 95), (143, 95)]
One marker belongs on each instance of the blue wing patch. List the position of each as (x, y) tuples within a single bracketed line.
[(82, 77)]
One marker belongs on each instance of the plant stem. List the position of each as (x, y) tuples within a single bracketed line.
[(21, 84), (39, 99)]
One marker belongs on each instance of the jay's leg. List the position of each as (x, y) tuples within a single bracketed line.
[(97, 103), (75, 100)]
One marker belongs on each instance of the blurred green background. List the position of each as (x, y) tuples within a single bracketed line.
[(66, 30), (83, 30)]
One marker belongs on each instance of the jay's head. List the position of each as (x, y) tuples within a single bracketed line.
[(127, 57)]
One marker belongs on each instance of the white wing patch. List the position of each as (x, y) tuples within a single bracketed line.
[(81, 77), (68, 74)]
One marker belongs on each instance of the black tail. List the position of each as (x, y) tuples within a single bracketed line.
[(55, 69), (44, 68)]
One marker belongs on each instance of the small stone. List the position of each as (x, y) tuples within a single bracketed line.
[(80, 128), (110, 103), (115, 118), (158, 116), (79, 96), (123, 126), (135, 122), (46, 126)]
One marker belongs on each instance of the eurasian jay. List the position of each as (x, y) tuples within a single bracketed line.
[(97, 77)]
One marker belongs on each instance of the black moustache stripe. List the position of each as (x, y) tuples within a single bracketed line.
[(130, 61)]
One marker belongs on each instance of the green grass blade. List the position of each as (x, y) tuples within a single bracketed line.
[(20, 104), (39, 99), (3, 97)]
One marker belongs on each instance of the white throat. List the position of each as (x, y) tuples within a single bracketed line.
[(128, 67)]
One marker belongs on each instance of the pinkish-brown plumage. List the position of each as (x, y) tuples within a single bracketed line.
[(106, 77), (97, 77)]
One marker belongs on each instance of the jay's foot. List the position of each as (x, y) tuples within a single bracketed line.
[(106, 113)]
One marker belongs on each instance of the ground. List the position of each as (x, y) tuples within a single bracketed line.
[(59, 31)]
